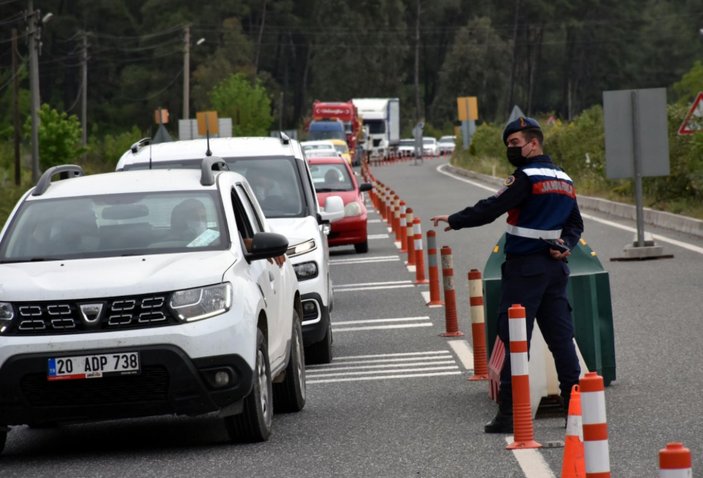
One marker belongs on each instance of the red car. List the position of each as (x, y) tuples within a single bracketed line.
[(335, 177)]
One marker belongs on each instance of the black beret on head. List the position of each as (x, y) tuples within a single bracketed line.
[(519, 124)]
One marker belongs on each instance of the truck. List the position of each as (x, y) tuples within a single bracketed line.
[(382, 118), (326, 116)]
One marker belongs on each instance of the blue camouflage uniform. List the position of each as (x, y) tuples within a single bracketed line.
[(541, 202)]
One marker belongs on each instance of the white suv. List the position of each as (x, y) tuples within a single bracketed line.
[(146, 293), (280, 177)]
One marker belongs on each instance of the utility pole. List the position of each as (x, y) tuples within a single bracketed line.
[(418, 111), (16, 107), (84, 90), (186, 73), (34, 32)]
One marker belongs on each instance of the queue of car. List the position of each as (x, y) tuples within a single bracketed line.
[(213, 289)]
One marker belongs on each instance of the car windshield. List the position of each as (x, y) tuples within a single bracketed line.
[(447, 140), (407, 142), (115, 225), (376, 126), (275, 180), (428, 141), (276, 184), (341, 148), (331, 177)]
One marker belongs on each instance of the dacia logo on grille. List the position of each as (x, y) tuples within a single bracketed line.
[(91, 312)]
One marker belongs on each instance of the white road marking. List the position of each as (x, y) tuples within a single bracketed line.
[(310, 371), (384, 366), (383, 377), (365, 260), (314, 374), (397, 354), (375, 321), (373, 221), (426, 297), (373, 237), (531, 462), (463, 351), (374, 286), (381, 327)]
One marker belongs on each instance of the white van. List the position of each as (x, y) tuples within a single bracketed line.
[(279, 175)]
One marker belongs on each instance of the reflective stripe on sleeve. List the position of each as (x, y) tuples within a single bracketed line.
[(552, 173)]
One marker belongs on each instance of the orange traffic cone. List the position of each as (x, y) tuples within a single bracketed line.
[(574, 462)]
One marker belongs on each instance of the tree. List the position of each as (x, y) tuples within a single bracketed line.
[(475, 66), (246, 103), (59, 137)]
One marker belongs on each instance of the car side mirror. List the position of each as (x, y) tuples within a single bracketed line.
[(265, 245), (334, 209), (363, 187)]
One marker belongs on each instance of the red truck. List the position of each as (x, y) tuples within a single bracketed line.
[(343, 111)]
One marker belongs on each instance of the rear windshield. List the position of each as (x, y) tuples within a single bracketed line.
[(115, 225), (331, 177)]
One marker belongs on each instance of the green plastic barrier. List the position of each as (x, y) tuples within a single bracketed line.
[(589, 296)]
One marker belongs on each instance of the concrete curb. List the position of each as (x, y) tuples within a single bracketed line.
[(662, 219)]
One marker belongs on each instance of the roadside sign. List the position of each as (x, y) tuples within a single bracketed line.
[(693, 122), (467, 108), (207, 123)]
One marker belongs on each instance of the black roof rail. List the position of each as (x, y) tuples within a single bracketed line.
[(210, 164), (139, 145), (66, 171), (285, 139)]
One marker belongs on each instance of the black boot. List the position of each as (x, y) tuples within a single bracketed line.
[(502, 422)]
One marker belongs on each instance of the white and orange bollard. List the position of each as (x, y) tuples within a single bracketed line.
[(478, 325), (595, 426), (523, 430), (410, 236), (403, 227), (419, 258), (450, 317), (573, 464), (435, 299), (675, 461)]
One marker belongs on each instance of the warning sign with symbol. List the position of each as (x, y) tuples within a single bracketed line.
[(694, 118)]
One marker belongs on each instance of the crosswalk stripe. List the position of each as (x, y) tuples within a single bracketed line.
[(353, 366), (365, 260), (383, 377), (375, 321), (381, 327), (373, 372)]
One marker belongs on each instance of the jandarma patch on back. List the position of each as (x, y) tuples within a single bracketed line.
[(509, 180)]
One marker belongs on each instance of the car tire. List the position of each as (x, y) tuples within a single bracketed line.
[(289, 395), (255, 422), (320, 352), (362, 247)]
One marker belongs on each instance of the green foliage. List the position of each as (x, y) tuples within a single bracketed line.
[(247, 104), (59, 137), (104, 153), (690, 84)]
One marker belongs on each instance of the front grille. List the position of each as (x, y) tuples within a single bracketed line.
[(149, 386), (91, 315)]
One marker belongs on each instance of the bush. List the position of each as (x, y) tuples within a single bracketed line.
[(59, 137)]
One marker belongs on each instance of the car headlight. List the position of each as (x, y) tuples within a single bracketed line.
[(305, 270), (301, 248), (202, 302), (7, 313), (352, 209)]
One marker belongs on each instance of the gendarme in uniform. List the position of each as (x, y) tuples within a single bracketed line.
[(540, 200)]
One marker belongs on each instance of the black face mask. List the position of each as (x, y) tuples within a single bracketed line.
[(514, 154)]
